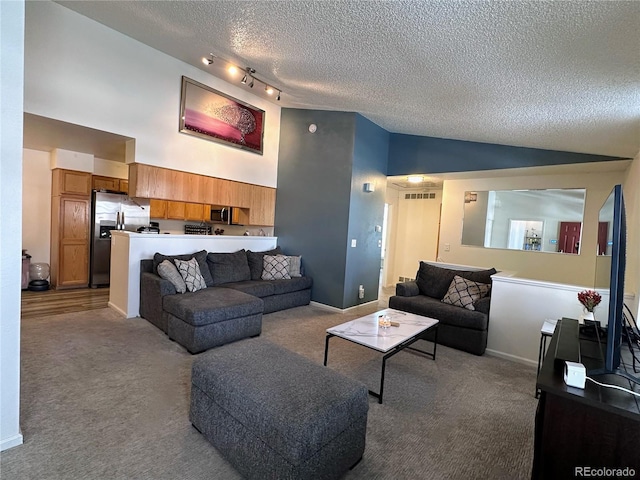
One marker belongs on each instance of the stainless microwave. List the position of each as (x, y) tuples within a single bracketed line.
[(222, 215)]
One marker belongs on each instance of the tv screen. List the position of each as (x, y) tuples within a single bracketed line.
[(610, 269)]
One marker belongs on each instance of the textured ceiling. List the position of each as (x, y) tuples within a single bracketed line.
[(544, 74)]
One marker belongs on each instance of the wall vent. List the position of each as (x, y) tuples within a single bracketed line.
[(419, 196), (405, 279)]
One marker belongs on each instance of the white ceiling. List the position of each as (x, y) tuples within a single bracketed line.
[(544, 74)]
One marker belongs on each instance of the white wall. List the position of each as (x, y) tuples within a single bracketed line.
[(109, 168), (36, 205), (551, 267), (81, 72), (11, 94), (416, 230)]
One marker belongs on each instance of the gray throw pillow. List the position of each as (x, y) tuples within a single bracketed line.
[(200, 256), (295, 265), (168, 271), (463, 292), (434, 281), (229, 267), (255, 260), (190, 272), (276, 267)]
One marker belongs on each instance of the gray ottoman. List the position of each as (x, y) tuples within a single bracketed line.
[(211, 317), (274, 414)]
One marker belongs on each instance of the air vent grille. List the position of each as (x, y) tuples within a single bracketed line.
[(419, 196)]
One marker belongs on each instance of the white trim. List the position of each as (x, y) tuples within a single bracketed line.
[(339, 310), (118, 309), (11, 442), (513, 358)]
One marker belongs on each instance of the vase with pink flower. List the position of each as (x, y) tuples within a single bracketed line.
[(589, 299)]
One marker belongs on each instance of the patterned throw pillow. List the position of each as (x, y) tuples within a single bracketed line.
[(168, 271), (190, 272), (463, 292), (276, 267)]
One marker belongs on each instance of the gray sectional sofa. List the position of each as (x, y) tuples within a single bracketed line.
[(461, 328), (231, 306)]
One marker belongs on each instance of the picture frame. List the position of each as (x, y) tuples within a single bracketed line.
[(212, 115)]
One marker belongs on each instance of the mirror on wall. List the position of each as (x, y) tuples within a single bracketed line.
[(532, 220)]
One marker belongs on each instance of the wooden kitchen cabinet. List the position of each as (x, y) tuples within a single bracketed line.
[(70, 216), (70, 182), (180, 189), (263, 206), (196, 212), (157, 208), (105, 183), (175, 210), (124, 186)]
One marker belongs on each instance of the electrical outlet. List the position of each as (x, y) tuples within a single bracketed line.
[(447, 247), (353, 242), (361, 292)]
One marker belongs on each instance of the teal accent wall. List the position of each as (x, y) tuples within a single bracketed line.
[(414, 154)]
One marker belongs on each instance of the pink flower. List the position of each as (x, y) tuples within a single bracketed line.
[(590, 299)]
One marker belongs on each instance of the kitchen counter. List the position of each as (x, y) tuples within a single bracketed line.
[(128, 248)]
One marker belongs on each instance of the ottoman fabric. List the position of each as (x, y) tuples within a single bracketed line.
[(283, 415)]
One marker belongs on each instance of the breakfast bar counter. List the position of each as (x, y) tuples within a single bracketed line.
[(128, 248)]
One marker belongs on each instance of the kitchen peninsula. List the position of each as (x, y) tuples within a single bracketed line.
[(128, 248)]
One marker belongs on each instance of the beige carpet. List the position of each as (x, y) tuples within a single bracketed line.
[(104, 397)]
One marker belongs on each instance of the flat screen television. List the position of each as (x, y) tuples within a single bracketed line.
[(612, 221)]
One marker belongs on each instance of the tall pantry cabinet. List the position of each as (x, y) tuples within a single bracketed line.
[(70, 217)]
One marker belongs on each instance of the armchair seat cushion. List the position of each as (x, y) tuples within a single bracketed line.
[(445, 313)]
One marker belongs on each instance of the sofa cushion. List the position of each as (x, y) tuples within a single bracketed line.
[(464, 293), (290, 285), (211, 305), (258, 288), (228, 267), (276, 267), (445, 313), (200, 256), (168, 271), (434, 281), (190, 272), (255, 260)]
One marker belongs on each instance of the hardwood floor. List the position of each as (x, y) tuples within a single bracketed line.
[(53, 302)]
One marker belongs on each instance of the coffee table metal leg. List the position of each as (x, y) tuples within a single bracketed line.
[(326, 347)]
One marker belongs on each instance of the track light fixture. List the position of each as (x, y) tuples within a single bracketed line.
[(249, 75)]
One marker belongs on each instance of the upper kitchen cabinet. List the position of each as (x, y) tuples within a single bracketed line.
[(147, 181), (109, 183), (263, 206), (70, 182)]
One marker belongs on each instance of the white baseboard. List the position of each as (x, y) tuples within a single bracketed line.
[(513, 358), (340, 310), (11, 442), (121, 312)]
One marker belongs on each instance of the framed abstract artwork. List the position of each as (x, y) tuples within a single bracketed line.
[(212, 115)]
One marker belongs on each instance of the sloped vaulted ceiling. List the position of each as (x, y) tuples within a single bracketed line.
[(542, 74)]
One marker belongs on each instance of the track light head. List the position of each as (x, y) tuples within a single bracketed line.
[(251, 83), (209, 60), (244, 79), (278, 97), (268, 89)]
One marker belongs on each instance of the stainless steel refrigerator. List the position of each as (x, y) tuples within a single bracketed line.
[(111, 211)]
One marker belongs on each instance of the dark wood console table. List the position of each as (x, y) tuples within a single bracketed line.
[(593, 428)]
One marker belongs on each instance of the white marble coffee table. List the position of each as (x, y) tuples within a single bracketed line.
[(366, 332)]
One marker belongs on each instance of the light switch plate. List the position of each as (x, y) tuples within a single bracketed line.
[(353, 242)]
